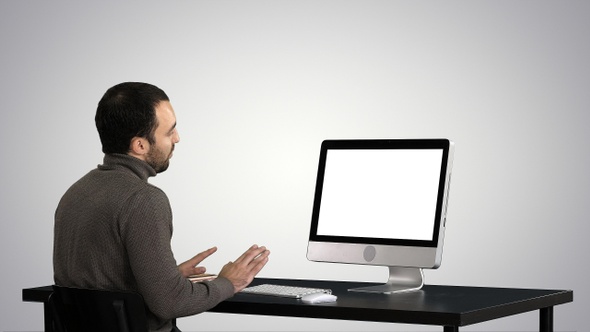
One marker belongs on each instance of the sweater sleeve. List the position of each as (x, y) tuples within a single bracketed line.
[(146, 230)]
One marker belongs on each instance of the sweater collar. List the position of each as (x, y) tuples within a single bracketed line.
[(122, 161)]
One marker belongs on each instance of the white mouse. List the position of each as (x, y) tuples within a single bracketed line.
[(318, 298)]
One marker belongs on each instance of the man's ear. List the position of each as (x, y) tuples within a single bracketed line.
[(139, 147)]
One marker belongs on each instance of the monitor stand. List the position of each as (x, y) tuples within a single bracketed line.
[(401, 279)]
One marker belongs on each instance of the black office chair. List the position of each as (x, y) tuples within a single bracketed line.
[(89, 310)]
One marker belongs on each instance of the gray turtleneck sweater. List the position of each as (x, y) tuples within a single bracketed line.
[(113, 232)]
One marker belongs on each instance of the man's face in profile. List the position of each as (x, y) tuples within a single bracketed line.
[(166, 136)]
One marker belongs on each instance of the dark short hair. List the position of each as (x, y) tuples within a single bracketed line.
[(125, 111)]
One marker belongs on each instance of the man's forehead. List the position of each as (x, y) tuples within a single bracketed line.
[(165, 116), (164, 109)]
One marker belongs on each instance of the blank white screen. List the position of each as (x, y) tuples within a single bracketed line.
[(382, 193)]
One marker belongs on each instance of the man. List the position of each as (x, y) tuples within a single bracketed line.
[(113, 228)]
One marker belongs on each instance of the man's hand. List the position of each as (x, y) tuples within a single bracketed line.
[(242, 271), (190, 267)]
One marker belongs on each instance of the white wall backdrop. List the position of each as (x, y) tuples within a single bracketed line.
[(257, 85)]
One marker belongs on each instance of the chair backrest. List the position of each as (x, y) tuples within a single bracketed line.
[(90, 310)]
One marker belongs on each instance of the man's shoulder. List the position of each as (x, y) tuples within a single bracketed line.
[(114, 185)]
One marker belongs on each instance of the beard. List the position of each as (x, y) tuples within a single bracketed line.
[(158, 159)]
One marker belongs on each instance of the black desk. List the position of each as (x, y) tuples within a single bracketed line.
[(448, 306)]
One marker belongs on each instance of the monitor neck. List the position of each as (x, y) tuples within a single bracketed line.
[(401, 279)]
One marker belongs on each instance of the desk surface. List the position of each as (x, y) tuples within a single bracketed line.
[(432, 305)]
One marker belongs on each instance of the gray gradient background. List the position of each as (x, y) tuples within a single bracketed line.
[(258, 84)]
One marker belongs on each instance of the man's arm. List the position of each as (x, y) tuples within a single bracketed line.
[(147, 230)]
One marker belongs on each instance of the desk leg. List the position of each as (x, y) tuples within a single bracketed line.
[(546, 319), (47, 317), (451, 329)]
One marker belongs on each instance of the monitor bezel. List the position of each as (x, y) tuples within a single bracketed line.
[(349, 144)]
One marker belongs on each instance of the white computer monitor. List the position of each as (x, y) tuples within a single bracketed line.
[(382, 202)]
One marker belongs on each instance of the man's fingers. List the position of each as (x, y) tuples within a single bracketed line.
[(259, 262), (250, 255), (198, 258), (199, 270)]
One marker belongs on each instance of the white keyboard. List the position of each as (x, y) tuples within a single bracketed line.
[(284, 291)]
